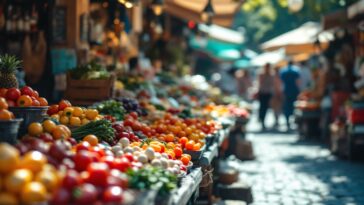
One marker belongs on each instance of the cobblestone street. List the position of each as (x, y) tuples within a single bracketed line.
[(290, 172)]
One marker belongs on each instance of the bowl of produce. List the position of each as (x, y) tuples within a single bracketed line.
[(9, 130), (29, 115)]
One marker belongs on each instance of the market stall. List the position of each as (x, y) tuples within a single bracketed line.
[(157, 147)]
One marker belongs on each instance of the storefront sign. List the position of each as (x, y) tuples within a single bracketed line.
[(59, 25)]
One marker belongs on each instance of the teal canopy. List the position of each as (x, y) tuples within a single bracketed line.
[(242, 64)]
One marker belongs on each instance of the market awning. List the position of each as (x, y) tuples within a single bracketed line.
[(356, 9), (300, 40), (272, 57), (222, 34), (192, 9)]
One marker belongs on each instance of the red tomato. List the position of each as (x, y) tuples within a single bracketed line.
[(113, 194), (71, 179), (122, 164), (97, 150), (13, 94), (84, 145), (85, 194), (128, 122), (134, 115), (129, 156), (117, 178), (178, 152), (82, 159), (98, 173), (53, 109), (109, 160), (35, 102), (26, 90), (63, 104)]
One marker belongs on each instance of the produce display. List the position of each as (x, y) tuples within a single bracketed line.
[(109, 153)]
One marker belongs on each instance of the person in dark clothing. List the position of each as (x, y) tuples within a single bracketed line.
[(265, 91), (290, 78)]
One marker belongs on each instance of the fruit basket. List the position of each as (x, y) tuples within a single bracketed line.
[(9, 130), (29, 115)]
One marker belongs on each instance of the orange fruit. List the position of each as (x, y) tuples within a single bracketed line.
[(9, 158), (7, 198), (3, 103), (66, 130), (189, 145), (49, 126), (24, 101), (92, 139), (33, 161), (6, 115), (178, 152), (183, 140), (185, 160), (75, 121), (196, 147), (55, 116), (68, 111), (91, 114), (187, 155), (35, 129), (169, 138), (85, 121), (16, 180), (43, 101), (156, 148), (77, 111), (33, 192), (49, 179)]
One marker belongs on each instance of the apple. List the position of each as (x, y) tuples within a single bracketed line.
[(71, 180), (26, 90), (59, 148)]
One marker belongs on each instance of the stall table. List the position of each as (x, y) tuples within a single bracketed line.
[(308, 122)]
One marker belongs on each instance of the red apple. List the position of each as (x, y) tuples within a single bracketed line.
[(26, 90), (13, 94)]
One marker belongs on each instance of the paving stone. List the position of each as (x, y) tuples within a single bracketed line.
[(289, 172)]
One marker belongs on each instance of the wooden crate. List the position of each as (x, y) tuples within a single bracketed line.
[(87, 92)]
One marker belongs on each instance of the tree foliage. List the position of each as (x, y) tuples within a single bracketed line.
[(265, 19)]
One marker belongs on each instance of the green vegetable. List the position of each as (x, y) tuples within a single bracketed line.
[(90, 71), (101, 128), (111, 107), (152, 178)]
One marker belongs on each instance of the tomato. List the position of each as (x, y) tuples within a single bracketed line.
[(98, 173), (109, 160), (3, 92), (183, 140), (24, 101), (53, 109), (92, 139), (85, 194), (33, 161), (35, 129), (60, 132), (169, 138), (134, 115), (58, 149), (75, 121), (71, 179), (82, 159), (16, 180), (35, 102), (91, 114), (11, 103), (33, 193), (35, 94), (3, 103), (129, 156), (6, 115), (77, 111), (113, 194), (189, 145), (13, 94), (63, 104), (122, 164), (9, 159), (178, 152), (196, 147), (185, 160), (26, 90), (83, 146), (43, 102), (128, 122), (61, 197)]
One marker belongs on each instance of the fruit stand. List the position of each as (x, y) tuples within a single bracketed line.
[(122, 150)]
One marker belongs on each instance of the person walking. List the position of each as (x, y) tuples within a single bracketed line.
[(290, 78), (277, 99), (265, 91), (244, 82)]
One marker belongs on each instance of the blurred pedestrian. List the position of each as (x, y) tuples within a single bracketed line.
[(265, 91), (244, 82), (277, 98), (290, 78)]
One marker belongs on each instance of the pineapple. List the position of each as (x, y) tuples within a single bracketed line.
[(8, 67)]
